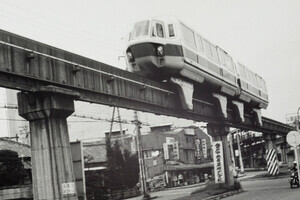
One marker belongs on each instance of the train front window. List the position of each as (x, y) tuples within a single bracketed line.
[(140, 29), (171, 30), (159, 30)]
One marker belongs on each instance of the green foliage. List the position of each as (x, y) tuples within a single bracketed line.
[(11, 168), (122, 169)]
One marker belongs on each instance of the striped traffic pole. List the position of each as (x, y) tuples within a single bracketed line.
[(272, 163)]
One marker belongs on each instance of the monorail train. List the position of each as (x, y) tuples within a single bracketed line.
[(166, 47)]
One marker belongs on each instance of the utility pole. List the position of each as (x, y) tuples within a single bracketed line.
[(112, 122), (121, 130), (140, 154)]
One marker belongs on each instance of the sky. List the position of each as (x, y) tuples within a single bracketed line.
[(264, 35)]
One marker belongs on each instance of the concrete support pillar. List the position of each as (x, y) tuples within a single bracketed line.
[(219, 133), (52, 168), (272, 162), (270, 141)]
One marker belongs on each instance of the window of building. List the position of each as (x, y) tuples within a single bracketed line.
[(186, 154), (154, 162), (188, 36), (148, 154), (171, 30)]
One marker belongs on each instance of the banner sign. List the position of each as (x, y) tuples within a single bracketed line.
[(292, 119), (166, 151), (218, 162), (170, 140), (198, 152), (176, 150), (204, 148)]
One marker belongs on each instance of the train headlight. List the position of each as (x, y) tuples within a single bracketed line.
[(130, 56), (160, 51)]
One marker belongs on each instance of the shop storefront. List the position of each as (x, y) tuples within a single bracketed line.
[(187, 174)]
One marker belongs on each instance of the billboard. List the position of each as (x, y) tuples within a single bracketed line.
[(218, 162), (198, 149), (291, 119), (204, 148)]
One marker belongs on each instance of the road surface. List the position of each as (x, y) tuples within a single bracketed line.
[(271, 189)]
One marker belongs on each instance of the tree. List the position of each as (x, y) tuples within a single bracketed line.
[(11, 168), (122, 169), (131, 169)]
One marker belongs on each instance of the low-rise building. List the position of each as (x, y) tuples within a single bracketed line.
[(168, 153)]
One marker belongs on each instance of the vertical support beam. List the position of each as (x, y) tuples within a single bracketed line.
[(238, 135), (52, 167), (271, 153), (230, 136), (219, 132)]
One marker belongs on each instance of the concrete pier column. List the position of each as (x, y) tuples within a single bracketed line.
[(271, 153), (219, 132), (270, 141), (52, 169)]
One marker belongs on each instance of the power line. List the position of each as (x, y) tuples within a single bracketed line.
[(56, 22), (61, 30), (81, 116)]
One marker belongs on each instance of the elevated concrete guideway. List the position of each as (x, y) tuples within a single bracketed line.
[(27, 65)]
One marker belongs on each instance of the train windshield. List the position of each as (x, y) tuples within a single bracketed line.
[(140, 29)]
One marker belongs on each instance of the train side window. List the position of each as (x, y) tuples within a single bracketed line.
[(221, 56), (214, 52), (264, 87), (207, 48), (171, 30), (259, 82), (242, 71), (188, 36), (159, 30), (200, 43), (228, 62)]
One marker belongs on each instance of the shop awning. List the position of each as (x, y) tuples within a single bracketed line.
[(187, 166)]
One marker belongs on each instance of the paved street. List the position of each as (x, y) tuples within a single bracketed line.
[(173, 193), (271, 189)]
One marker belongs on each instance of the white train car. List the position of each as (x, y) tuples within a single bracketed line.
[(166, 47), (253, 87)]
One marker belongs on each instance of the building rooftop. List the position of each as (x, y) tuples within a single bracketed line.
[(22, 149)]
